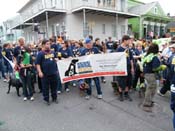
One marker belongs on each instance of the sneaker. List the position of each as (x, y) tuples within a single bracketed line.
[(58, 92), (160, 94), (25, 99), (5, 80), (87, 97), (104, 81), (55, 101), (74, 85), (67, 90), (145, 108), (121, 97), (47, 103), (127, 97), (32, 98), (100, 96)]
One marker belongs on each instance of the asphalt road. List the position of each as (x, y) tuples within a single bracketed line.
[(74, 113)]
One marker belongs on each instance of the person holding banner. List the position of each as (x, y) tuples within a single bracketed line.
[(47, 71), (64, 53), (125, 82), (89, 49)]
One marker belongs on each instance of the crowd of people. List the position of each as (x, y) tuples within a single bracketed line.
[(146, 64)]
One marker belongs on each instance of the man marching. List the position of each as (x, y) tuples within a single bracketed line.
[(47, 71)]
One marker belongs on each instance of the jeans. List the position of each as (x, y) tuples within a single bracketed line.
[(8, 68), (27, 84), (174, 120), (59, 86), (97, 84), (49, 82), (2, 67)]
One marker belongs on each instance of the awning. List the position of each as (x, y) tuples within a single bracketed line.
[(24, 25), (39, 17), (99, 11)]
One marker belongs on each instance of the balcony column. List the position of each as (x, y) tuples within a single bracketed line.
[(47, 25), (117, 25), (84, 23)]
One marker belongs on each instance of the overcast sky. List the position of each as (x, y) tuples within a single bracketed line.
[(8, 8)]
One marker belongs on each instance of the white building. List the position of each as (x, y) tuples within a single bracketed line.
[(73, 18)]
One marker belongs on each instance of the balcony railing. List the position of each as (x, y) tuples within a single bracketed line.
[(39, 5), (103, 4)]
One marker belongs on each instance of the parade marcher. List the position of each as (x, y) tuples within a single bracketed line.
[(166, 53), (98, 45), (1, 63), (54, 46), (171, 65), (125, 82), (89, 49), (151, 66), (26, 73), (8, 55), (47, 71), (65, 53), (109, 45), (138, 75)]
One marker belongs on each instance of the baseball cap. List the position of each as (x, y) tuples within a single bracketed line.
[(87, 40)]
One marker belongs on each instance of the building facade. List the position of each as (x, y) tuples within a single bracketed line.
[(74, 19), (152, 19), (7, 34)]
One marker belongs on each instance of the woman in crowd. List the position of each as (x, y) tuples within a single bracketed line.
[(65, 53)]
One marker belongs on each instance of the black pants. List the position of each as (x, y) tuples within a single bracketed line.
[(49, 82), (39, 84), (166, 87)]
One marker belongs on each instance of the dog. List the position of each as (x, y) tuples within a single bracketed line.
[(14, 83), (72, 68), (115, 87), (83, 86)]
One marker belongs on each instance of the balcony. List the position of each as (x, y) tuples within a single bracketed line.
[(102, 7), (100, 4), (35, 8), (14, 22)]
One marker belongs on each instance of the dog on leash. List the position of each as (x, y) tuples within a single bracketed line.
[(14, 83), (83, 86)]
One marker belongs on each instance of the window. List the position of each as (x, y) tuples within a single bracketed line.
[(53, 30), (155, 10), (53, 3), (103, 29), (123, 30), (114, 33)]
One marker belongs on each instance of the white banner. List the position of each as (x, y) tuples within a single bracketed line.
[(95, 65)]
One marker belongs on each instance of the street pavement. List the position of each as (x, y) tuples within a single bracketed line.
[(74, 113)]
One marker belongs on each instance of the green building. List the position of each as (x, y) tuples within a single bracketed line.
[(152, 19)]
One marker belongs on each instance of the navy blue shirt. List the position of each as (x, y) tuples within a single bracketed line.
[(17, 51), (109, 45), (128, 54), (1, 56), (9, 55), (171, 66), (65, 53), (47, 63), (54, 47), (149, 67), (93, 50)]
